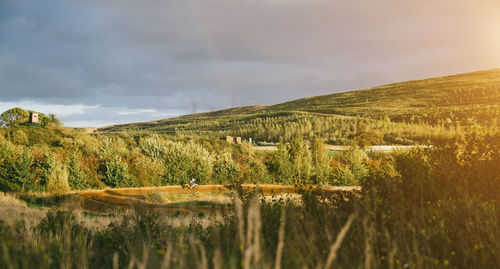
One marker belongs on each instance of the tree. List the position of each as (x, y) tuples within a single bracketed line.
[(300, 157), (225, 169), (117, 175), (320, 162), (51, 119), (280, 165), (12, 116)]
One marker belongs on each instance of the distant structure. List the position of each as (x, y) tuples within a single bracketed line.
[(34, 117), (234, 140)]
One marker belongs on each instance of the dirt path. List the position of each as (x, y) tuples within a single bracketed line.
[(111, 200), (380, 148)]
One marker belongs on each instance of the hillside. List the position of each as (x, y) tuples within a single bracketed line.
[(439, 105)]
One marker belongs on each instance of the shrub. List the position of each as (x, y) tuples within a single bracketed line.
[(356, 158), (300, 157), (320, 162), (117, 175), (57, 181), (16, 172), (185, 161), (342, 176), (19, 137), (76, 177), (110, 148), (152, 147), (225, 170), (280, 166), (146, 171)]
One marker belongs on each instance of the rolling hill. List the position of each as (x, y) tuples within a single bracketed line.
[(403, 113)]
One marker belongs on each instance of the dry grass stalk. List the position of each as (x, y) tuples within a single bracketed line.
[(252, 251), (368, 246), (217, 259), (338, 241), (238, 205), (167, 258), (281, 242), (115, 260)]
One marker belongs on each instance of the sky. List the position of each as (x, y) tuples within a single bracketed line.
[(97, 63)]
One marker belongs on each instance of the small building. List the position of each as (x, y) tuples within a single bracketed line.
[(34, 117), (234, 140)]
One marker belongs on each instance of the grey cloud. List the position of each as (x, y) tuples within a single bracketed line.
[(178, 57)]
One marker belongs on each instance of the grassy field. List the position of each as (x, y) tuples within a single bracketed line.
[(407, 110)]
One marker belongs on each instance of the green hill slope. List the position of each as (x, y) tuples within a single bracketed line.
[(405, 112)]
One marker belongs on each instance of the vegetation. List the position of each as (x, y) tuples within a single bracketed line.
[(426, 208), (413, 112), (57, 159)]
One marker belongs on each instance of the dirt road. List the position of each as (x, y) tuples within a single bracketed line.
[(110, 200), (379, 148)]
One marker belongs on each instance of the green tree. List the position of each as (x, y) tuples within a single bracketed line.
[(356, 161), (47, 120), (117, 175), (300, 157), (280, 166), (320, 162), (343, 176), (225, 169), (76, 177), (16, 172), (12, 116), (186, 161)]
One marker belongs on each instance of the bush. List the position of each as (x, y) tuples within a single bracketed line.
[(225, 170), (342, 176), (76, 177), (186, 161), (57, 181), (117, 175), (111, 148), (19, 137), (280, 166), (320, 162), (16, 171), (146, 171), (355, 159)]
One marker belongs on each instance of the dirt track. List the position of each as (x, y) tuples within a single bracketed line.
[(110, 200), (379, 148)]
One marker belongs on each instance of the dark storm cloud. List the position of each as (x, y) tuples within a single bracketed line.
[(120, 61)]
